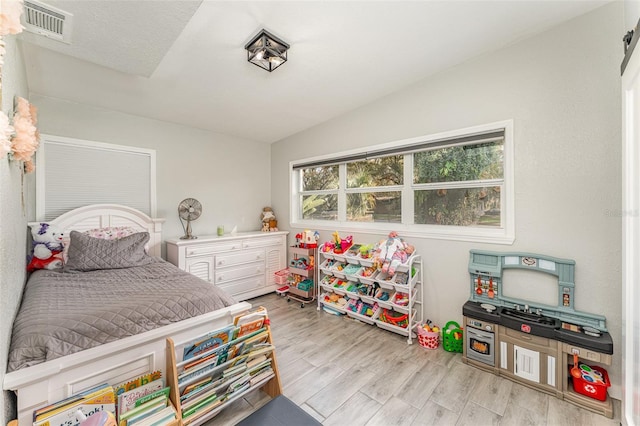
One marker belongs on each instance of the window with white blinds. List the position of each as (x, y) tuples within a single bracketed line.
[(72, 173)]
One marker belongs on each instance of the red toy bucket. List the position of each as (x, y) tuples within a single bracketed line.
[(593, 382), (427, 339)]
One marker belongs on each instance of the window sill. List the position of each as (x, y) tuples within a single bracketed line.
[(474, 235)]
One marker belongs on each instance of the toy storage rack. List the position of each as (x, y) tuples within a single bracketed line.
[(414, 288), (301, 296)]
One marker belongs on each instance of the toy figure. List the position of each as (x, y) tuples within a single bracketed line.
[(309, 239), (269, 222), (392, 252)]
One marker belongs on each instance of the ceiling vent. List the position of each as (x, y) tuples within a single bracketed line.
[(48, 21)]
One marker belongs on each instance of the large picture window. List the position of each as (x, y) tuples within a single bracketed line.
[(457, 185)]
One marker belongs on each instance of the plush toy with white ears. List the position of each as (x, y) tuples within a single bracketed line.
[(47, 247)]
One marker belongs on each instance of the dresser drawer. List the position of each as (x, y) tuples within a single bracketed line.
[(263, 242), (230, 274), (239, 258), (244, 264), (243, 285), (199, 250)]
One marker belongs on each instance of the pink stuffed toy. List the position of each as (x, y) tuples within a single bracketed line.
[(392, 252)]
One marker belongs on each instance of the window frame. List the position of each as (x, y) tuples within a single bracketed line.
[(141, 196), (501, 235)]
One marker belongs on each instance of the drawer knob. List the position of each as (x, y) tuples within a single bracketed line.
[(220, 262)]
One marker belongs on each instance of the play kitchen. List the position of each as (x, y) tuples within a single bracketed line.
[(552, 348)]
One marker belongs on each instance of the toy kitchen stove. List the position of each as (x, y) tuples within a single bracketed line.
[(532, 343), (488, 308)]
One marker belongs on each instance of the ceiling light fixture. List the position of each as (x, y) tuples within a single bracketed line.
[(267, 51)]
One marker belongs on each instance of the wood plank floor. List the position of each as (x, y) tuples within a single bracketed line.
[(346, 373)]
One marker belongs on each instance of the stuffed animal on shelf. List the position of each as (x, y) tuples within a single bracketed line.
[(47, 247), (392, 252)]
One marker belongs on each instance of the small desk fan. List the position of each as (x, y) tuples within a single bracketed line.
[(189, 209)]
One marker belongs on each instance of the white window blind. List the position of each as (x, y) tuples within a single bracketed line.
[(72, 173)]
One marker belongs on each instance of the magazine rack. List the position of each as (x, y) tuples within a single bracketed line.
[(271, 385)]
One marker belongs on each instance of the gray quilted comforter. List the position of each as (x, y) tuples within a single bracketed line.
[(63, 313)]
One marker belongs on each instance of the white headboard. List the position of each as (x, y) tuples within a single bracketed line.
[(109, 215)]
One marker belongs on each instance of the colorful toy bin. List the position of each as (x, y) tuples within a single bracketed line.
[(281, 276), (452, 340), (593, 382), (428, 339)]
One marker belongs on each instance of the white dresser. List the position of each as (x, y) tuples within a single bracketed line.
[(243, 264)]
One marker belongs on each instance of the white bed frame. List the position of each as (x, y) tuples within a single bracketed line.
[(117, 361)]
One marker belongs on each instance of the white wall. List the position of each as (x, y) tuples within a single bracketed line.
[(13, 222), (229, 176), (562, 90), (631, 14)]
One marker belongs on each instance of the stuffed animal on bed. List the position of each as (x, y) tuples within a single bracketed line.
[(47, 247)]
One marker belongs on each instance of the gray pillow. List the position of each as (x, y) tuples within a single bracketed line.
[(89, 254)]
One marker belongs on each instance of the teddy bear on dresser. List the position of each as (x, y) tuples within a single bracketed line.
[(269, 222), (47, 247)]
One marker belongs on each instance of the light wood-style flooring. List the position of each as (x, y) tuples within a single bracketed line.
[(346, 373)]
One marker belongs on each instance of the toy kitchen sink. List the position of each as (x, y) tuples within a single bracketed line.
[(530, 342)]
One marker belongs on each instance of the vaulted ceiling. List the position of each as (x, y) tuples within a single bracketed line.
[(183, 61)]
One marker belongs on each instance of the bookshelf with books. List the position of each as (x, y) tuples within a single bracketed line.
[(208, 373), (204, 374)]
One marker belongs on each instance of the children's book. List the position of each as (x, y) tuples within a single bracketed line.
[(195, 387), (202, 404), (201, 411), (184, 365), (162, 417), (142, 411), (37, 414), (134, 420), (127, 400), (197, 399), (256, 360), (153, 395), (66, 415), (258, 339), (137, 382), (248, 323), (204, 343), (262, 375)]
